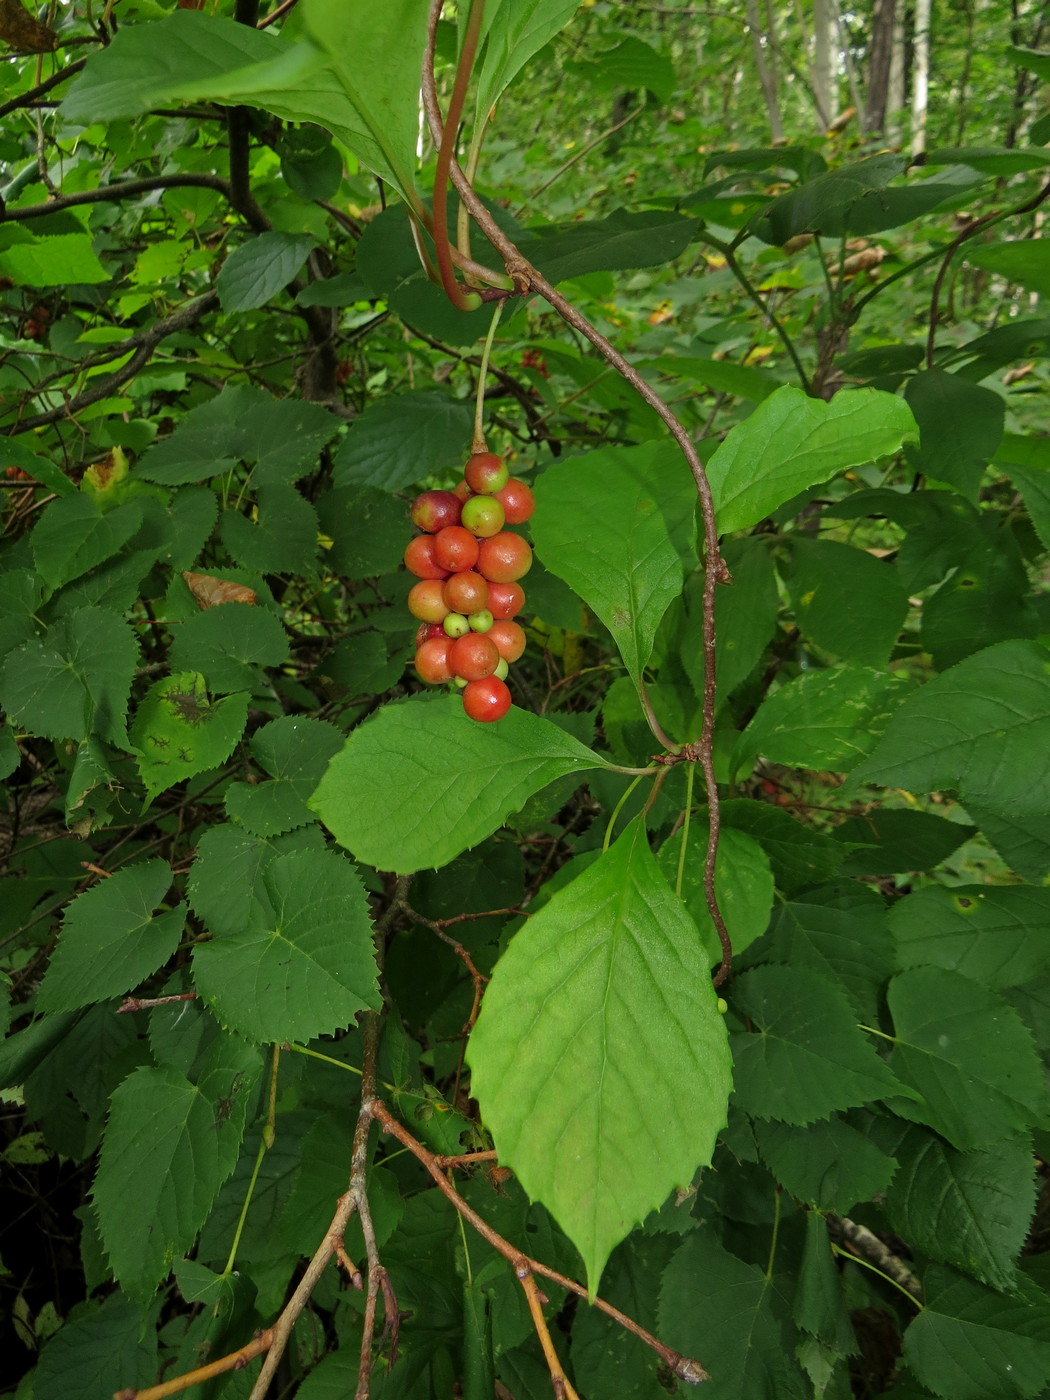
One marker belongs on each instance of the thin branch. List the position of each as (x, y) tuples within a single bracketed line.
[(146, 343), (234, 1361), (121, 189), (528, 278), (684, 1367), (46, 86), (446, 149), (479, 979), (281, 10)]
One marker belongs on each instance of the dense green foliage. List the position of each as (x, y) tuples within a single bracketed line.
[(249, 860)]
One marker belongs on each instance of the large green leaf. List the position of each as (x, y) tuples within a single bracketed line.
[(1026, 461), (894, 839), (295, 751), (303, 965), (599, 1024), (76, 681), (632, 64), (727, 1314), (53, 262), (968, 1056), (454, 781), (98, 1352), (846, 601), (180, 731), (623, 240), (282, 538), (281, 438), (615, 525), (792, 442), (259, 269), (75, 535), (960, 426), (982, 727), (831, 1164), (1023, 260), (806, 1057), (969, 1343), (798, 855), (514, 30), (970, 1209), (403, 438), (164, 1156), (110, 938), (823, 719), (225, 885), (998, 936), (227, 644)]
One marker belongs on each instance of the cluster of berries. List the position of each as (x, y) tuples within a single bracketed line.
[(468, 593)]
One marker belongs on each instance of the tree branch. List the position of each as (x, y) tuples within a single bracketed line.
[(121, 189), (26, 97)]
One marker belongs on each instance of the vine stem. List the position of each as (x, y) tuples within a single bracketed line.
[(528, 278), (479, 444), (446, 148)]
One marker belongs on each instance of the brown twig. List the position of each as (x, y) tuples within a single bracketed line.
[(479, 979), (684, 1367), (48, 83), (147, 1003), (563, 1388), (235, 1361), (446, 148), (120, 189), (528, 278)]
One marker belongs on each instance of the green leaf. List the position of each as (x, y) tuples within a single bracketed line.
[(631, 64), (98, 1352), (283, 539), (227, 644), (1027, 463), (970, 1209), (179, 732), (514, 30), (820, 1303), (835, 202), (607, 980), (620, 242), (999, 937), (368, 530), (145, 63), (792, 442), (1023, 842), (846, 601), (960, 426), (74, 535), (295, 751), (723, 376), (281, 438), (982, 727), (161, 1167), (726, 1313), (76, 681), (110, 938), (743, 884), (967, 1054), (455, 780), (259, 269), (1032, 59), (897, 840), (53, 262), (403, 438), (311, 166), (10, 754), (639, 506), (990, 160), (745, 616), (225, 884), (1025, 261), (830, 1164), (969, 1343), (806, 1057), (798, 855), (839, 931), (823, 719), (304, 963)]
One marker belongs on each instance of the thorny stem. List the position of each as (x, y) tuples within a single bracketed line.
[(528, 278), (446, 147), (479, 444), (684, 1367)]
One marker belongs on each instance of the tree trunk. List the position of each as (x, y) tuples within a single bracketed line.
[(880, 62), (898, 67), (825, 66), (920, 78), (766, 73)]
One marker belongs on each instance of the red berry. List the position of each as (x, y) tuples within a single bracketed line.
[(425, 601), (485, 472), (506, 599), (462, 492), (509, 639), (426, 630), (467, 592), (486, 699), (419, 558), (455, 549), (432, 660), (473, 656), (504, 558), (483, 516), (517, 501), (434, 510)]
